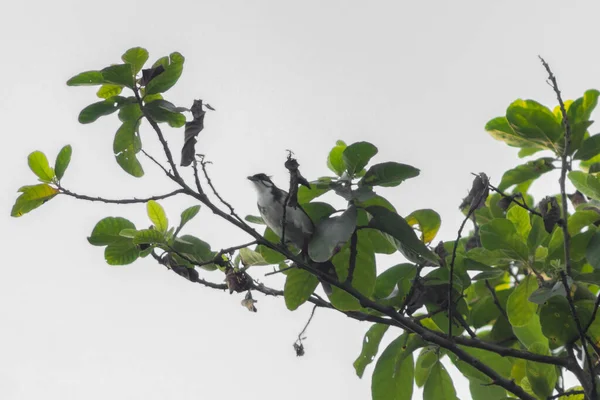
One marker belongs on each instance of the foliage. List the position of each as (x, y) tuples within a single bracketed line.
[(520, 294)]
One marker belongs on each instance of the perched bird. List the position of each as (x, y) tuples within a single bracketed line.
[(298, 226)]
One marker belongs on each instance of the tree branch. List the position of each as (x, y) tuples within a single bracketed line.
[(496, 301), (567, 237), (514, 200), (118, 201), (352, 261)]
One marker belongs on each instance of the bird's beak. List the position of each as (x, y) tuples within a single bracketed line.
[(251, 178)]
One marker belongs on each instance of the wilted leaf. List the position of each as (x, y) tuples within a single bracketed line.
[(31, 198), (428, 221), (192, 129)]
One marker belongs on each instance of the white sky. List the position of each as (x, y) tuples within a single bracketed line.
[(418, 79)]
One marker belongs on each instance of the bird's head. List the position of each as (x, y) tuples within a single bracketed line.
[(262, 183)]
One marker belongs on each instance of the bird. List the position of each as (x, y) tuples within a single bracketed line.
[(299, 228)]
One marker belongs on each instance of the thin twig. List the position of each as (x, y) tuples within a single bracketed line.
[(567, 393), (496, 301), (209, 181), (160, 135), (196, 177), (159, 164), (312, 314), (119, 201), (279, 271), (352, 261), (567, 237), (514, 200), (596, 305)]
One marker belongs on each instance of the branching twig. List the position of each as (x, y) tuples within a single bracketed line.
[(496, 301), (567, 237), (298, 343), (514, 200), (119, 201), (159, 164), (209, 181)]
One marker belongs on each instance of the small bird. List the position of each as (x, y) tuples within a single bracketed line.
[(298, 226)]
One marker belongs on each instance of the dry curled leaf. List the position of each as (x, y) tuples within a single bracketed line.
[(550, 212)]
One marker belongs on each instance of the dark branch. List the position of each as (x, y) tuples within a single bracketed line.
[(119, 201), (352, 261), (209, 181), (567, 237), (514, 200), (495, 297)]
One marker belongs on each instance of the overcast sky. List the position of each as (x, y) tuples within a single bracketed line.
[(417, 79)]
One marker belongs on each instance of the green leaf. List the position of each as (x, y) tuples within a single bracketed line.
[(582, 218), (121, 252), (388, 174), (439, 384), (519, 309), (119, 74), (579, 112), (166, 80), (500, 234), (493, 274), (107, 231), (589, 148), (520, 218), (525, 172), (157, 215), (528, 151), (364, 277), (542, 377), (392, 380), (188, 214), (270, 256), (149, 236), (495, 361), (126, 145), (318, 211), (426, 360), (96, 110), (428, 221), (388, 279), (335, 161), (317, 188), (62, 161), (136, 57), (535, 123), (299, 285), (370, 347), (556, 320), (88, 78), (251, 258), (109, 90), (484, 391), (592, 252), (38, 163), (587, 184), (537, 234), (500, 129), (31, 198), (253, 219), (357, 156), (130, 112), (393, 224), (195, 249), (531, 332), (331, 234), (164, 111), (544, 293)]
